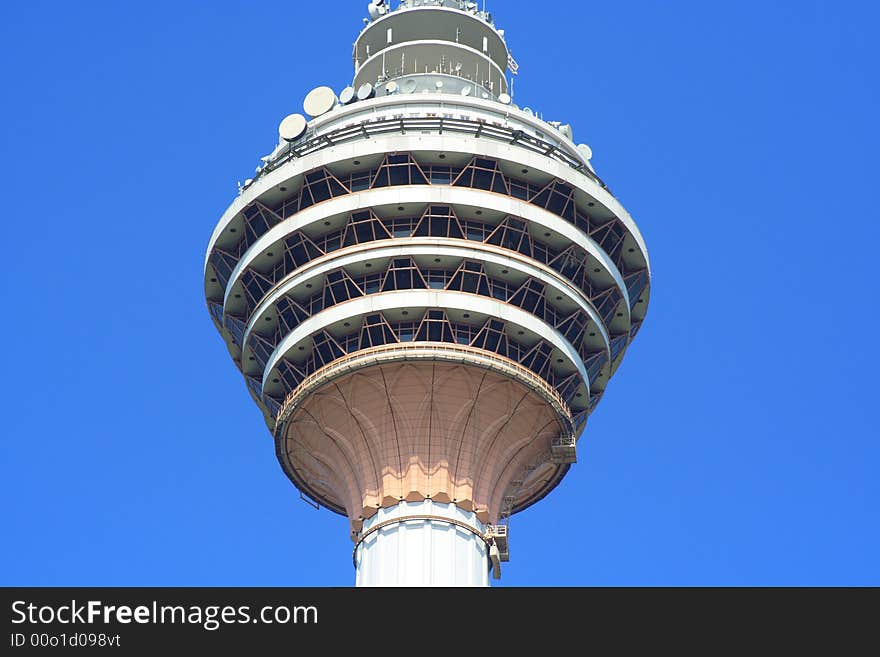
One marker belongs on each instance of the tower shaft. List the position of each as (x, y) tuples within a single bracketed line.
[(422, 544)]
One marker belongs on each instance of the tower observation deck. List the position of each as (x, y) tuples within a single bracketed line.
[(427, 289)]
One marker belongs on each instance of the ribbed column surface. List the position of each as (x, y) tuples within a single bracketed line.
[(411, 550)]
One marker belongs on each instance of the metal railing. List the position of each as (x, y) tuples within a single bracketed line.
[(429, 350), (478, 128)]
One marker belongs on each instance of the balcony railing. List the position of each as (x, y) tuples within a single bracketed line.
[(478, 128), (415, 350)]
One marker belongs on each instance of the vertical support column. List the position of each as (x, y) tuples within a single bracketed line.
[(416, 544)]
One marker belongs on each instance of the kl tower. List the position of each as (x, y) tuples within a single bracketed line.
[(427, 289)]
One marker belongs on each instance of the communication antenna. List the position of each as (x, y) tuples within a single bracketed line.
[(319, 100), (391, 88), (377, 8), (292, 127), (365, 91), (504, 99), (346, 95), (409, 86)]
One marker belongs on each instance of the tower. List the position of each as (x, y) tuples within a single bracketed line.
[(427, 289)]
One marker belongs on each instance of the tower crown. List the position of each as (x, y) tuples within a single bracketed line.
[(427, 289)]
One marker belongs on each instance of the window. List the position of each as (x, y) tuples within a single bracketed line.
[(326, 348), (572, 327), (439, 221), (236, 328), (364, 227), (594, 365), (339, 287), (530, 297), (617, 345), (298, 250), (435, 327), (255, 286), (290, 313), (537, 358), (261, 348), (403, 274), (512, 234), (223, 264), (376, 331), (491, 337), (470, 277), (318, 186)]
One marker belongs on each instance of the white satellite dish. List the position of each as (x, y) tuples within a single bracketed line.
[(391, 88), (365, 91), (504, 99), (528, 110), (586, 151), (409, 86), (320, 100), (346, 95), (375, 8), (466, 91), (292, 127), (439, 84), (565, 129)]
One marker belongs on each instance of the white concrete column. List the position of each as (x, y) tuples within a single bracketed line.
[(409, 550)]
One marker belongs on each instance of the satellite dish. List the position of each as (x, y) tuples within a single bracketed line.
[(565, 129), (504, 99), (466, 91), (439, 84), (586, 151), (528, 110), (409, 86), (365, 91), (320, 100), (391, 88), (375, 8), (292, 127), (346, 95)]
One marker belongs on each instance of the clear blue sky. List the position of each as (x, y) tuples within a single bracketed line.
[(738, 443)]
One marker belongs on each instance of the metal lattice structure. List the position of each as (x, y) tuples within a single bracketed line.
[(426, 288)]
